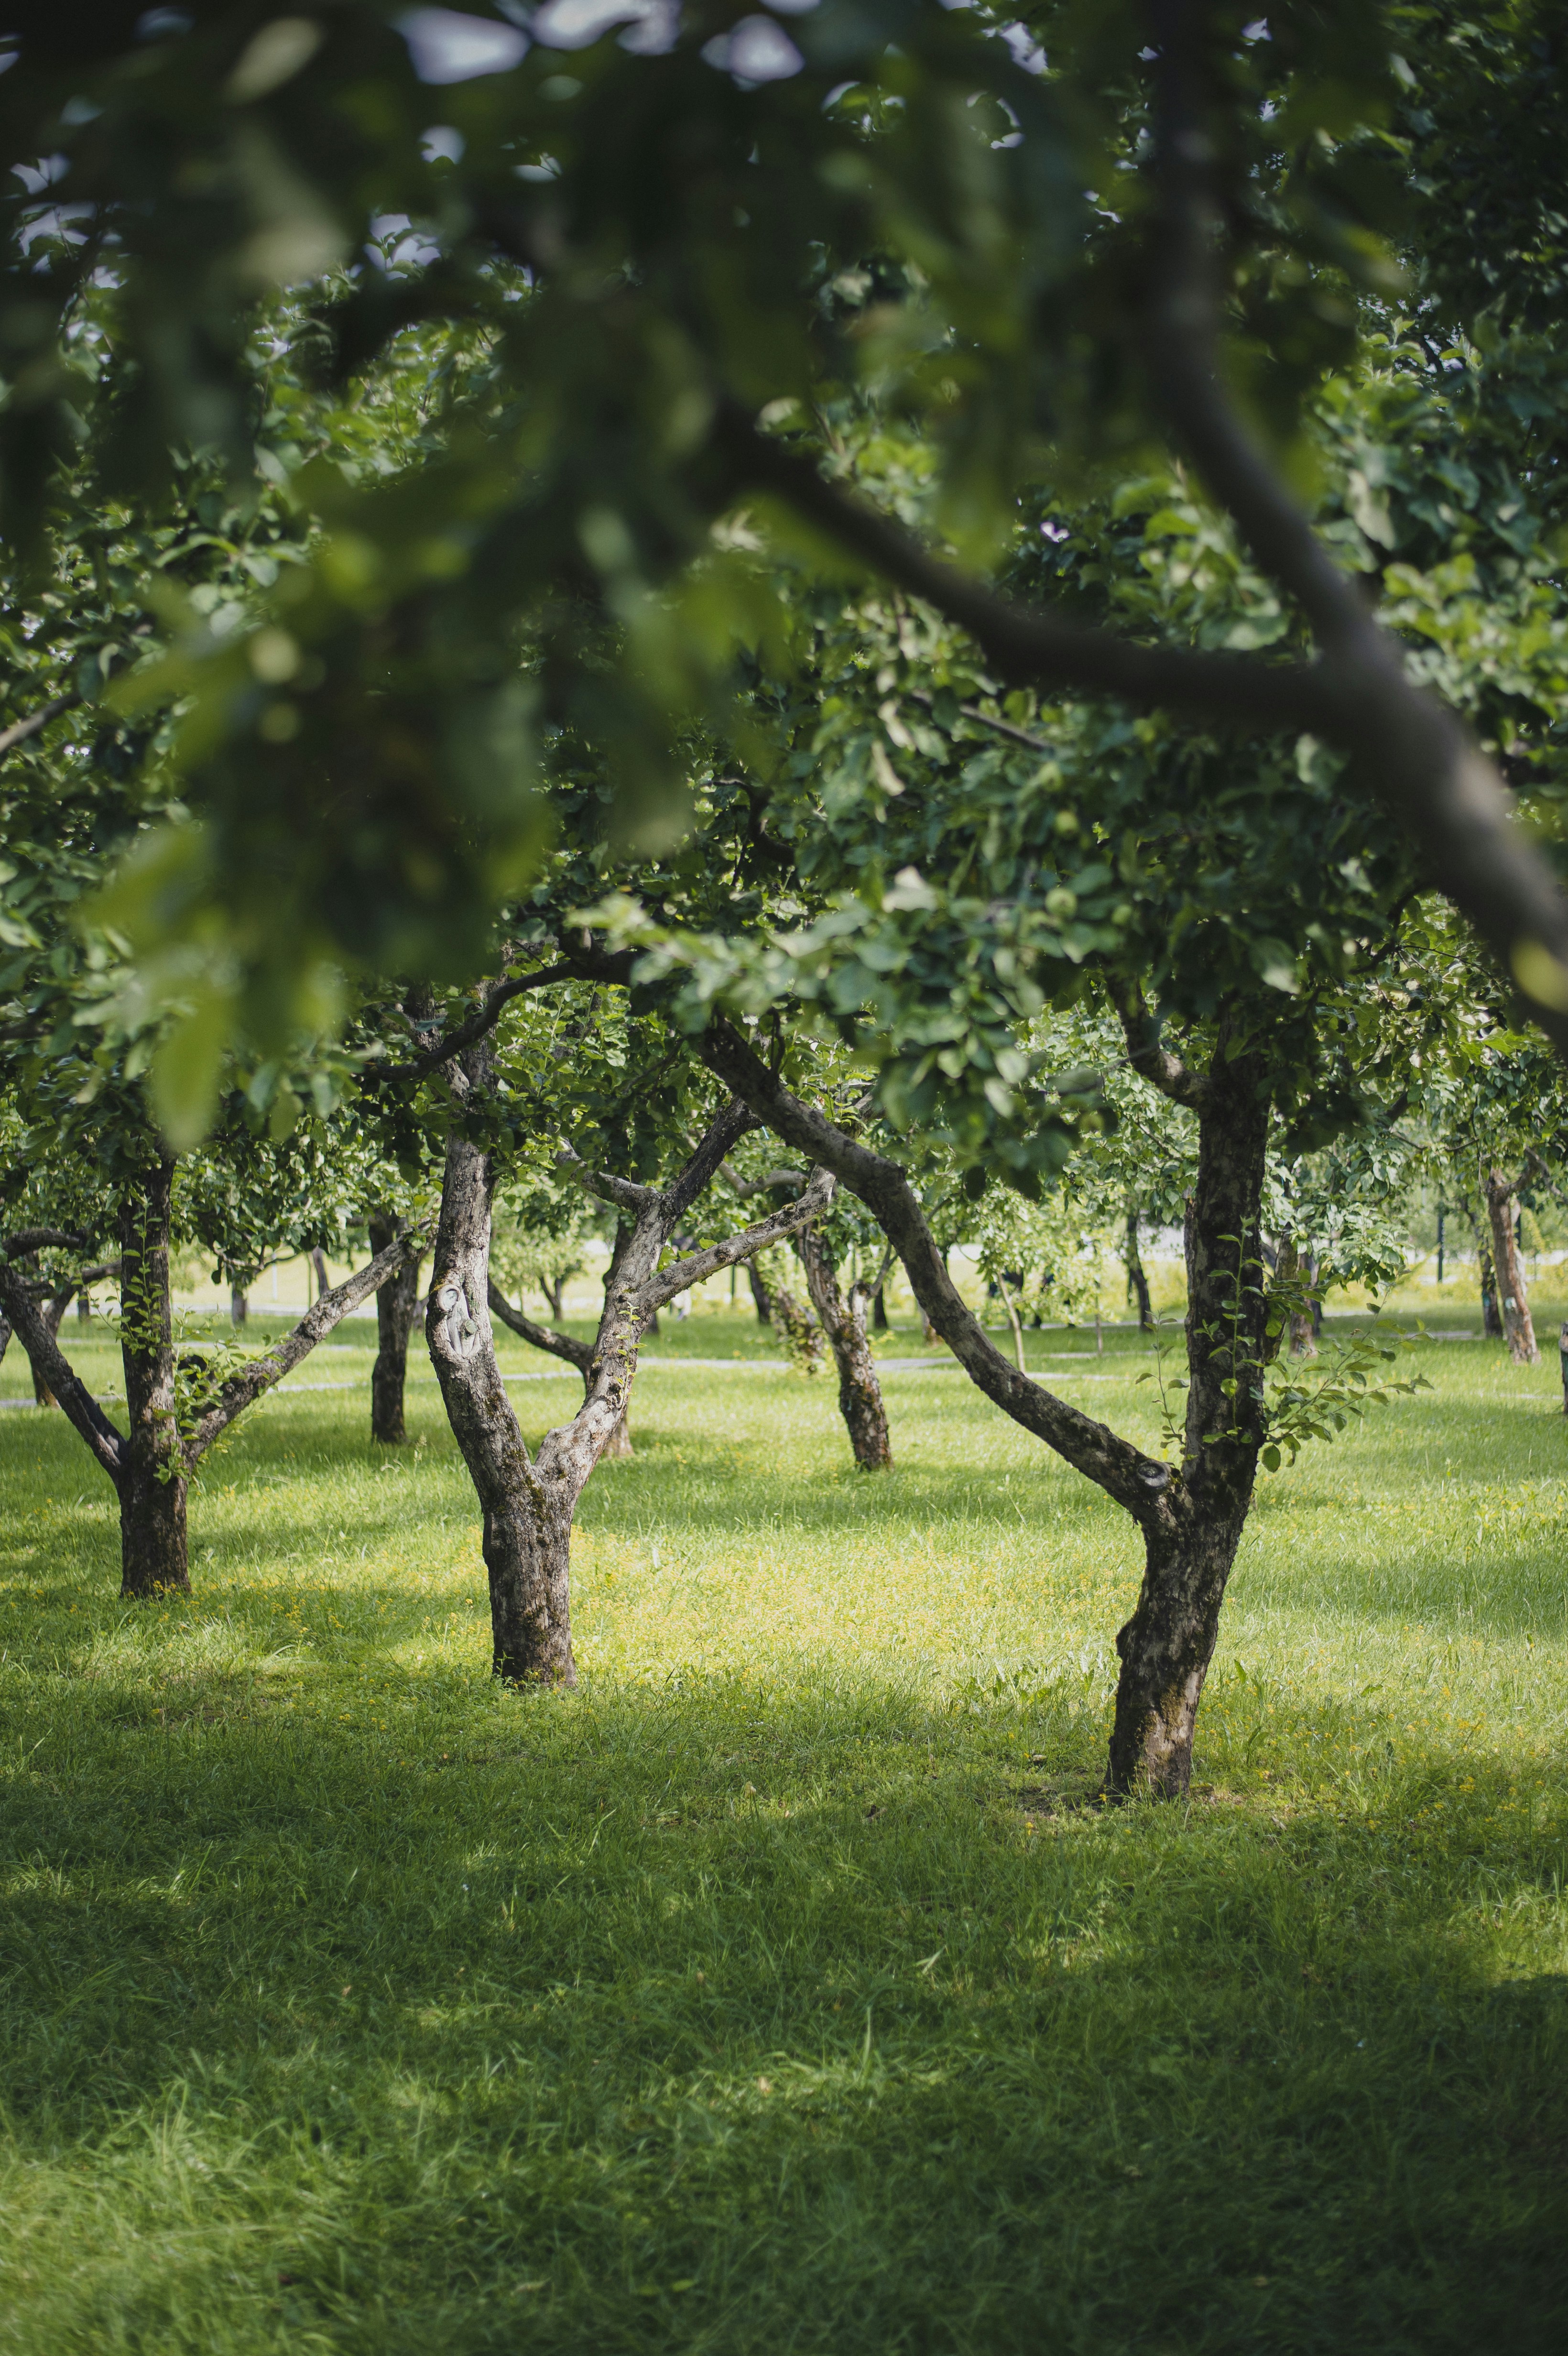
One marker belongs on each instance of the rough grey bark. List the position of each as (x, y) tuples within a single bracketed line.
[(527, 1501), (397, 1305), (1191, 1517), (323, 1282), (151, 1465), (1513, 1298), (844, 1322), (239, 1305)]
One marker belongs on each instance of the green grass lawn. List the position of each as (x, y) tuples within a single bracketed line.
[(778, 1990)]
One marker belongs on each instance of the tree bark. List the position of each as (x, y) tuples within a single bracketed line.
[(153, 1489), (397, 1304), (1166, 1645), (1491, 1322), (1138, 1282), (1191, 1520), (239, 1306), (765, 1307), (844, 1322), (323, 1281), (1502, 1209), (528, 1503)]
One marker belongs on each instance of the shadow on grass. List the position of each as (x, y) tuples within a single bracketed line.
[(735, 2015)]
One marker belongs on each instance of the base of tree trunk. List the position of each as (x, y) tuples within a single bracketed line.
[(154, 1556), (1166, 1648), (528, 1554)]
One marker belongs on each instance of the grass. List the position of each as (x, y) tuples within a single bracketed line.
[(777, 1991)]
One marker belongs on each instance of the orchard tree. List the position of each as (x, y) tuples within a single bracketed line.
[(884, 208)]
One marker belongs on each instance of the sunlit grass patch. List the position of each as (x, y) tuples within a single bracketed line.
[(784, 1985)]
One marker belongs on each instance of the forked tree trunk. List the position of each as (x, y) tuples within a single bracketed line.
[(1513, 1298), (528, 1503), (844, 1322), (527, 1515), (397, 1304), (1138, 1282), (153, 1487), (1192, 1534)]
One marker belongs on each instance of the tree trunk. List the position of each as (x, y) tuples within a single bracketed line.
[(1138, 1282), (552, 1294), (53, 1310), (153, 1551), (1191, 1533), (844, 1322), (1513, 1298), (760, 1294), (527, 1512), (881, 1322), (84, 1309), (323, 1281), (395, 1304), (1492, 1322), (239, 1306)]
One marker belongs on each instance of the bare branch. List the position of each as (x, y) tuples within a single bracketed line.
[(59, 1377), (765, 1184), (20, 730), (695, 1270), (983, 720), (262, 1373), (541, 1337)]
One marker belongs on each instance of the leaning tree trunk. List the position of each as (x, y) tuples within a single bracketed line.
[(153, 1550), (527, 1513), (1192, 1530), (54, 1309), (395, 1305), (844, 1322), (1513, 1297)]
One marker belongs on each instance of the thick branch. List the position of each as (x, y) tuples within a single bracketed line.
[(723, 1133), (57, 1376), (1410, 750), (1152, 1061), (700, 1266), (262, 1373), (27, 1240), (621, 1191), (1125, 1472), (1028, 643), (541, 1337)]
